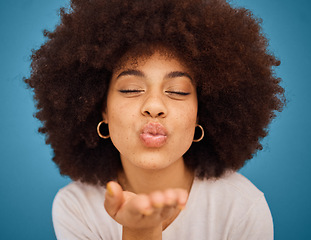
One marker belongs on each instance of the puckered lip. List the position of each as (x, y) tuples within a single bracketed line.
[(154, 128), (153, 135)]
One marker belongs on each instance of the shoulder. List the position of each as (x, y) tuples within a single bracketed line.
[(231, 193), (75, 199), (79, 189), (78, 212), (234, 202), (78, 195), (239, 184), (233, 184), (78, 198)]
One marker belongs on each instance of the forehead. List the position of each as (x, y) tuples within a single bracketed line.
[(134, 59)]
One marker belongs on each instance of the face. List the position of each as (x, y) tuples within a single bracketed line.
[(151, 111)]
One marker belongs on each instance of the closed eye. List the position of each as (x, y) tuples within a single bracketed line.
[(178, 93), (131, 91)]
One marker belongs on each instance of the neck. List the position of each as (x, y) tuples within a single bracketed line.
[(139, 180)]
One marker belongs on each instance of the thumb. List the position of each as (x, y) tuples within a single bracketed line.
[(113, 198)]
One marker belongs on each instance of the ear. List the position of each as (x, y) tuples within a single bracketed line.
[(197, 121), (105, 116)]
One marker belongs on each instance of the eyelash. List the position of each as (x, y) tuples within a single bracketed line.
[(140, 91), (178, 93), (131, 91)]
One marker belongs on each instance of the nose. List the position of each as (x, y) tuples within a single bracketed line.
[(154, 107)]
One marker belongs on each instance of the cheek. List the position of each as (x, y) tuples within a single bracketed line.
[(189, 113), (187, 118), (120, 124)]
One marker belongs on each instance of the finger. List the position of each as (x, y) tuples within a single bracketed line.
[(170, 203), (174, 199), (170, 197), (134, 209), (113, 198), (141, 204), (157, 199), (182, 198)]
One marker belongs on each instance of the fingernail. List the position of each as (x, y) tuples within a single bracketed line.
[(109, 190), (181, 207), (158, 205), (147, 212), (171, 202)]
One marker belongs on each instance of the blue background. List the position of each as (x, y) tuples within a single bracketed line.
[(29, 179)]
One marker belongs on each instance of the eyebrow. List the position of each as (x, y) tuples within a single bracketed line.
[(131, 72), (141, 74), (178, 74)]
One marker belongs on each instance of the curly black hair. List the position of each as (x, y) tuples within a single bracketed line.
[(238, 92)]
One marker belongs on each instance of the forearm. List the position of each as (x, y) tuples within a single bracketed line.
[(142, 234)]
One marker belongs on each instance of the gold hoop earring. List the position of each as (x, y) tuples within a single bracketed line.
[(99, 133), (202, 136)]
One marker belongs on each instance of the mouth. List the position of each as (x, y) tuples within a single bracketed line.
[(153, 135)]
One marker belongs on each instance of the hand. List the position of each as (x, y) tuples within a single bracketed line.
[(141, 211)]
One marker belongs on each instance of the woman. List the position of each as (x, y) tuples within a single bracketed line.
[(162, 101)]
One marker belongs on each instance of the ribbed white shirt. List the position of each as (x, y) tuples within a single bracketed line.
[(230, 208)]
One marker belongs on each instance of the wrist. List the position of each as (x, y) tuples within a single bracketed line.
[(142, 234)]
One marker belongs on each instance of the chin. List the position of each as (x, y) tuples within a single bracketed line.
[(154, 161)]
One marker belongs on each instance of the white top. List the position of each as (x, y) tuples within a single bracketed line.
[(230, 208)]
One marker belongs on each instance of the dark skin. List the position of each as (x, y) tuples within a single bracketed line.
[(144, 216), (154, 185), (238, 92)]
